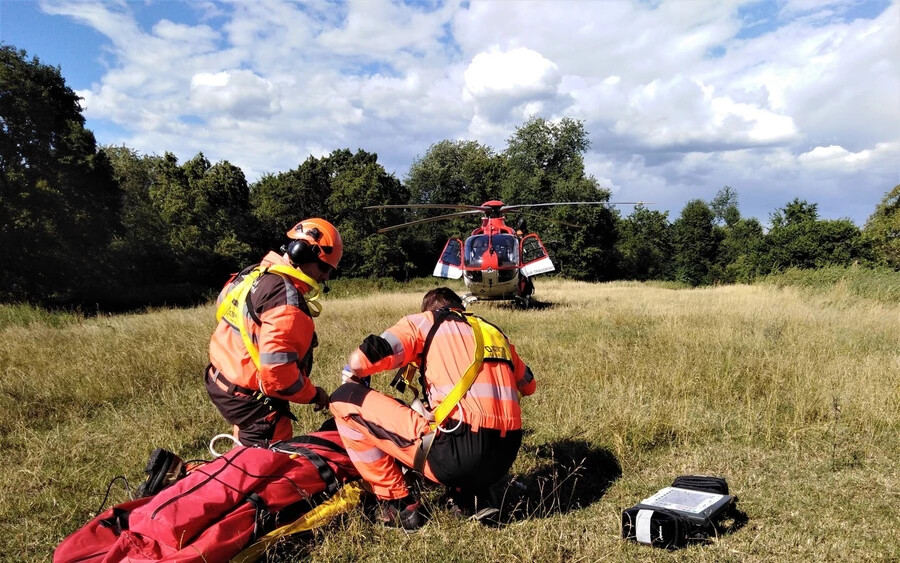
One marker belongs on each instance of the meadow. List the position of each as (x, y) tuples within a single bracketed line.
[(792, 393)]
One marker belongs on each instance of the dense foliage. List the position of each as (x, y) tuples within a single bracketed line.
[(59, 205), (83, 225)]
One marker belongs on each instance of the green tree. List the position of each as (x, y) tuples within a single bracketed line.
[(223, 202), (545, 163), (799, 239), (645, 244), (141, 253), (450, 172), (280, 201), (725, 206), (541, 154), (206, 208), (58, 202), (882, 230), (695, 244), (794, 213), (359, 181), (741, 251), (463, 172)]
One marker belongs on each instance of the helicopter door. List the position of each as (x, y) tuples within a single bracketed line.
[(451, 260), (534, 257)]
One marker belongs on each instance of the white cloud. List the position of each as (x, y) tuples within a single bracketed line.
[(239, 93), (509, 86), (684, 113), (520, 72), (835, 157), (675, 103)]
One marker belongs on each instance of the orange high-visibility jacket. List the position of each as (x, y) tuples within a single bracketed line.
[(493, 399), (285, 337)]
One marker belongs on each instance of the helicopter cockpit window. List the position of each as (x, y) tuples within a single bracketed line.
[(475, 248), (451, 253), (505, 246), (507, 249), (531, 249)]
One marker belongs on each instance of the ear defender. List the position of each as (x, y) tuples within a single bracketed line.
[(301, 252)]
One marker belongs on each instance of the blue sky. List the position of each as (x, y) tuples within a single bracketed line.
[(795, 98)]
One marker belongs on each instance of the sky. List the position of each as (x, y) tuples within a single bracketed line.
[(777, 99)]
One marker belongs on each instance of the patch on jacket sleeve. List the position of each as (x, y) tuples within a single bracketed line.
[(376, 348)]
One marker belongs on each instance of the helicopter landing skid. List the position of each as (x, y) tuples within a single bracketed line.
[(468, 299)]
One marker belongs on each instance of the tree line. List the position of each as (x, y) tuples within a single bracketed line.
[(85, 224)]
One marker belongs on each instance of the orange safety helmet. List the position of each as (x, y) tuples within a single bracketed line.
[(315, 239)]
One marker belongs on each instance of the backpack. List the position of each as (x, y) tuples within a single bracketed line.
[(218, 508)]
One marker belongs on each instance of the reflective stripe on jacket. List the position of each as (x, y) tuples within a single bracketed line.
[(285, 336), (493, 399)]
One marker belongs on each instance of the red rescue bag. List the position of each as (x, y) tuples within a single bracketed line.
[(218, 508)]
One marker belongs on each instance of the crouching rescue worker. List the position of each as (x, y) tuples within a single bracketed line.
[(261, 352), (469, 434)]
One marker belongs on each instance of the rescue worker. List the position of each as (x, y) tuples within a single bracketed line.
[(470, 448), (261, 352)]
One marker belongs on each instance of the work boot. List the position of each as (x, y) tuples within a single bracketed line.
[(403, 513), (481, 506)]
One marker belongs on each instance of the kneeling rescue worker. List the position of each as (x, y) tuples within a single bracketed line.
[(261, 352), (470, 434)]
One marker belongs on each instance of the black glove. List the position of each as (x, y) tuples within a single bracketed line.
[(321, 400)]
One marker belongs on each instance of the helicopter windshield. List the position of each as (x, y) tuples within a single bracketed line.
[(506, 247)]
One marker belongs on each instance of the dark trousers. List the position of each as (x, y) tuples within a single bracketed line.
[(259, 423)]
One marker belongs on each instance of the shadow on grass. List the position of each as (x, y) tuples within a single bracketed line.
[(571, 475)]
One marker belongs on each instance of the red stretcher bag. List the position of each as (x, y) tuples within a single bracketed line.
[(218, 508)]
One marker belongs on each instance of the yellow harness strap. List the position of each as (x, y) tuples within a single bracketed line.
[(345, 500), (234, 304), (491, 345), (462, 386)]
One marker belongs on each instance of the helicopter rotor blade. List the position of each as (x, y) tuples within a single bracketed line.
[(546, 218), (428, 206), (429, 220), (513, 207)]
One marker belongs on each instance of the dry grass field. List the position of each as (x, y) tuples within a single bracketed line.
[(792, 395)]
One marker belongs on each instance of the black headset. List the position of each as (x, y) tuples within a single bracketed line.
[(301, 252)]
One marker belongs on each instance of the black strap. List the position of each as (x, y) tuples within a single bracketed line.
[(251, 310), (325, 472), (440, 316), (209, 477), (118, 520), (286, 445), (230, 387), (262, 513), (280, 406)]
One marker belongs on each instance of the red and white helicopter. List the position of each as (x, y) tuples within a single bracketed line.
[(496, 261)]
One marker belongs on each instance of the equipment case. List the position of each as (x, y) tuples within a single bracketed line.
[(692, 509)]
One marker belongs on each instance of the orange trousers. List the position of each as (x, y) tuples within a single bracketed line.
[(380, 433)]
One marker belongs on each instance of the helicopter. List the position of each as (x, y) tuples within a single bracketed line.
[(496, 261)]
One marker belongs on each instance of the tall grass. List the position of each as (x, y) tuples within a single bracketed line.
[(793, 396), (24, 314), (880, 284)]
